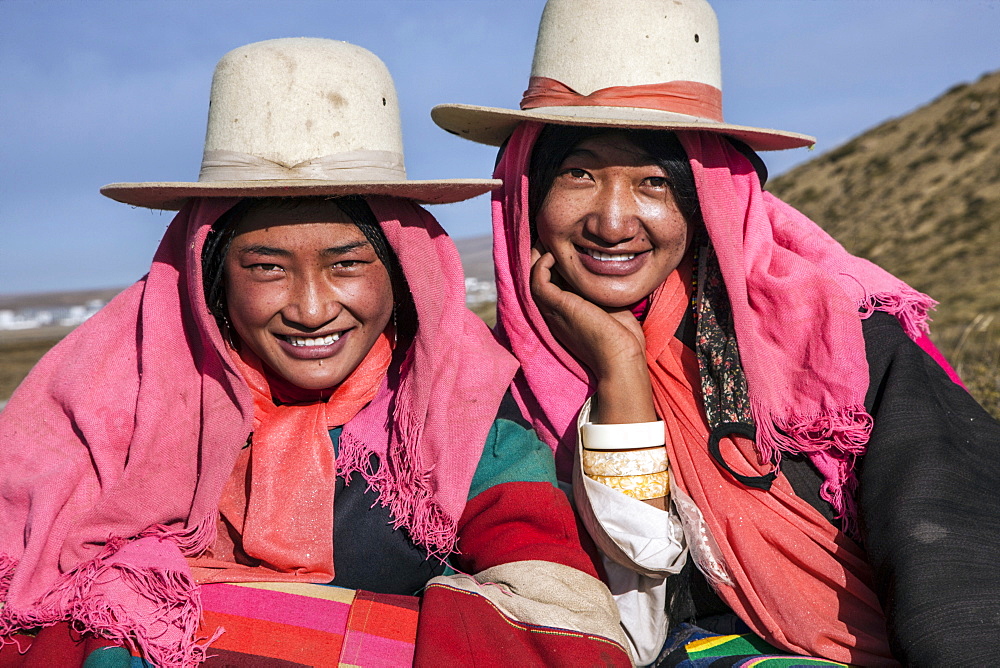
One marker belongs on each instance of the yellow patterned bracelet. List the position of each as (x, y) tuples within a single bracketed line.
[(625, 462), (642, 487)]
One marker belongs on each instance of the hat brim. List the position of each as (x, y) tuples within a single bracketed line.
[(492, 125), (171, 196)]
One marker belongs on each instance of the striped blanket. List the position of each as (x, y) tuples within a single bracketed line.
[(295, 624), (692, 647), (258, 625)]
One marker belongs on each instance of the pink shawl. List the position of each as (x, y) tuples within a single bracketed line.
[(807, 384), (130, 427)]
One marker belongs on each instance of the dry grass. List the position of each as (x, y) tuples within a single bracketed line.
[(974, 351), (16, 359)]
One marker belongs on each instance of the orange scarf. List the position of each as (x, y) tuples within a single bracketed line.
[(277, 506), (799, 582)]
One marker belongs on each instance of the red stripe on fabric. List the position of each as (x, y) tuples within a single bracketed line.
[(224, 658), (279, 607), (520, 521), (271, 639), (379, 615), (56, 645), (459, 628), (365, 650), (395, 600)]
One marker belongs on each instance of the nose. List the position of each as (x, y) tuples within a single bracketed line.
[(312, 303), (614, 217)]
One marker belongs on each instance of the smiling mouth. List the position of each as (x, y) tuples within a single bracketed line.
[(608, 257), (307, 342)]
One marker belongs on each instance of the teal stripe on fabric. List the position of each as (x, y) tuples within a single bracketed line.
[(335, 437), (512, 454), (110, 657)]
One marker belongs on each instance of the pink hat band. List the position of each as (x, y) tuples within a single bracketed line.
[(692, 98)]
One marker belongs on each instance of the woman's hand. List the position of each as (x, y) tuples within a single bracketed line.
[(609, 342)]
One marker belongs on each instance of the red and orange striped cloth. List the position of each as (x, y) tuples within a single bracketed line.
[(297, 624)]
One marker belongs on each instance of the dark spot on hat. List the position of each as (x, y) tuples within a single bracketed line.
[(647, 36), (696, 38), (335, 99), (236, 120), (309, 124), (383, 101), (337, 133)]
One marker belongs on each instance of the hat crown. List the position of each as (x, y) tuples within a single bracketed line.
[(301, 117), (589, 45), (290, 101)]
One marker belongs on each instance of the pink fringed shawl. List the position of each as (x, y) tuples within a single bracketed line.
[(130, 427), (807, 384)]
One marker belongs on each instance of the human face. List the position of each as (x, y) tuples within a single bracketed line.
[(306, 292), (611, 222)]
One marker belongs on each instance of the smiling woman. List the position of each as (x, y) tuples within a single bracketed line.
[(609, 215), (307, 291), (748, 415), (294, 397)]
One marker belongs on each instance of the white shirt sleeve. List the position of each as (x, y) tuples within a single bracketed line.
[(640, 546)]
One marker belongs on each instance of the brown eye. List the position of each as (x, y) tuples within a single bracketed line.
[(346, 264), (657, 182), (575, 173)]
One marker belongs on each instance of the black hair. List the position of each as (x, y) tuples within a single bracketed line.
[(555, 142), (220, 238)]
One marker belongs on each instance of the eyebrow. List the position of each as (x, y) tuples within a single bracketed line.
[(260, 249), (346, 248), (270, 251)]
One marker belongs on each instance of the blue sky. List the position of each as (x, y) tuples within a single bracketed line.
[(117, 90)]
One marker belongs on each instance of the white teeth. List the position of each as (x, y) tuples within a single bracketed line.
[(607, 257), (320, 341)]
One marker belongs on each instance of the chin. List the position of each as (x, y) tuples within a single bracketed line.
[(613, 298), (315, 383)]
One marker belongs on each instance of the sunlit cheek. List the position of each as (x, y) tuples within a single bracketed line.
[(369, 298), (253, 304)]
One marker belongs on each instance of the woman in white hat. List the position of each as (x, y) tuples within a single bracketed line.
[(294, 396), (811, 477)]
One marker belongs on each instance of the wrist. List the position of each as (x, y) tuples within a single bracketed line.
[(623, 398)]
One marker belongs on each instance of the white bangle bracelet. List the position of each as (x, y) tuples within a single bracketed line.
[(625, 462), (628, 436)]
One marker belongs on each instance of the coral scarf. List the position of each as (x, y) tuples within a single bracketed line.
[(282, 512), (798, 581), (810, 363)]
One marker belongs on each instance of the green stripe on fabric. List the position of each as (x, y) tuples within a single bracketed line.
[(512, 454), (735, 645)]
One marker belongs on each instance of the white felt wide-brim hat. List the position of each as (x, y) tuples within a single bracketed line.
[(301, 117), (645, 64)]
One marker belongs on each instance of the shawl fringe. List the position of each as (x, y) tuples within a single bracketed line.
[(401, 485), (7, 566), (910, 307), (832, 441), (169, 641)]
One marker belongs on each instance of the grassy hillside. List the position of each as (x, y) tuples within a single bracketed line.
[(920, 196)]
